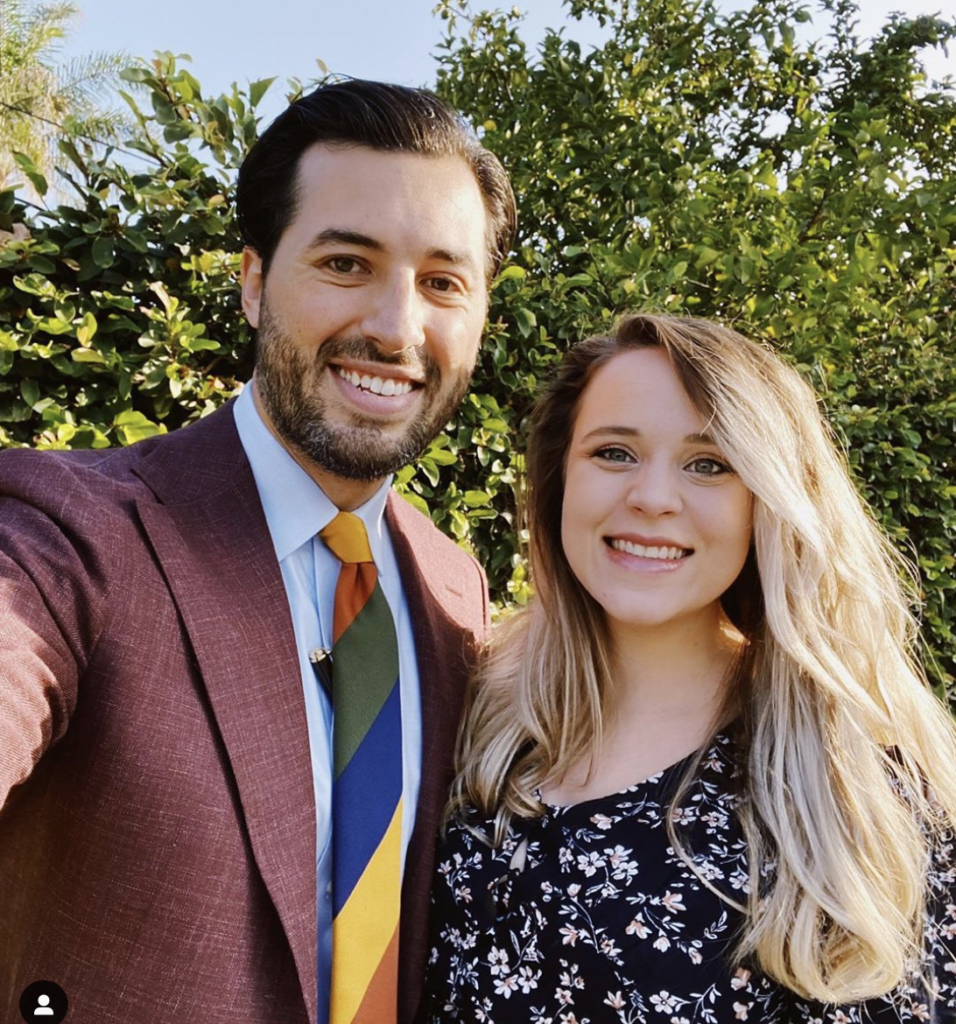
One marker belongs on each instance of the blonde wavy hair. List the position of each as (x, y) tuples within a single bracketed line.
[(847, 758)]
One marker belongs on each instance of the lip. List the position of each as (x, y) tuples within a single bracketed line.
[(651, 566)]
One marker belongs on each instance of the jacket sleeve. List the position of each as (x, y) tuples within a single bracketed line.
[(48, 624)]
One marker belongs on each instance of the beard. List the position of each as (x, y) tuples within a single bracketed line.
[(288, 384)]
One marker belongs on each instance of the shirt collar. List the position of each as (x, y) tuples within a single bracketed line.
[(295, 506)]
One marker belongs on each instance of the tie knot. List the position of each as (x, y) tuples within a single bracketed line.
[(346, 538)]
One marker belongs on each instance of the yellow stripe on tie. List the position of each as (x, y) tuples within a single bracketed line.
[(363, 928), (347, 539)]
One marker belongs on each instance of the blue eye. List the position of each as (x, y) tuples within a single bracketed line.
[(708, 467), (612, 453)]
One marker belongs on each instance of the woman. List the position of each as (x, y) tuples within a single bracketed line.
[(701, 778)]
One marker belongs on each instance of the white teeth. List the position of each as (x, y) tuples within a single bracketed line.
[(378, 386), (642, 552)]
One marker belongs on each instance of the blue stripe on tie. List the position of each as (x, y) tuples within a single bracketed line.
[(375, 758)]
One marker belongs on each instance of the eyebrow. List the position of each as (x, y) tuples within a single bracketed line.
[(614, 431), (344, 236)]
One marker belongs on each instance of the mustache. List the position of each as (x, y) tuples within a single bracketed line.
[(364, 350)]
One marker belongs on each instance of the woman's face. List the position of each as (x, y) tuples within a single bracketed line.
[(655, 524)]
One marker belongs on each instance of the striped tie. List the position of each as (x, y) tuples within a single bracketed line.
[(367, 786)]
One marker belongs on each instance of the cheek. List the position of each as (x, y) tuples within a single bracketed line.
[(568, 524), (455, 345), (577, 522), (736, 529), (567, 531)]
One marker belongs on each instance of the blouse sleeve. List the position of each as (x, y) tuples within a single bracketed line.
[(929, 995)]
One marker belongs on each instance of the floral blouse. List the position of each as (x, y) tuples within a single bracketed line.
[(607, 925)]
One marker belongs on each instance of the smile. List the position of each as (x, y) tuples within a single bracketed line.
[(386, 386), (639, 551)]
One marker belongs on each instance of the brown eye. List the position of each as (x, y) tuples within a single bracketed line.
[(343, 264), (440, 284)]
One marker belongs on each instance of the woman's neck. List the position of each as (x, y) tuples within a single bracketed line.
[(675, 669), (665, 698)]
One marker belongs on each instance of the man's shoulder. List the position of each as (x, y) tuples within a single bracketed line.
[(424, 535), (111, 476), (439, 564), (55, 479)]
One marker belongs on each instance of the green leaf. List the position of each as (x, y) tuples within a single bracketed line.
[(87, 355), (28, 167), (86, 330), (201, 345), (30, 392), (257, 90), (442, 457), (135, 239), (41, 264), (134, 426), (706, 255), (35, 284), (428, 469), (512, 273), (526, 321), (103, 251), (137, 75)]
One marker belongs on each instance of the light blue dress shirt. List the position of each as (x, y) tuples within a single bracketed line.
[(296, 509)]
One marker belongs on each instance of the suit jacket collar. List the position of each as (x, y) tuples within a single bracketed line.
[(445, 643)]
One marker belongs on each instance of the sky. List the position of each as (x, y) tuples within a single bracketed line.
[(391, 40)]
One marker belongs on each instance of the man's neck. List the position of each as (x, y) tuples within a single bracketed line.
[(346, 495)]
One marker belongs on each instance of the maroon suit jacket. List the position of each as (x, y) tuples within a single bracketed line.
[(157, 820)]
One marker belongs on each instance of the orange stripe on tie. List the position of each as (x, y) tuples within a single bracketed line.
[(356, 584), (380, 996)]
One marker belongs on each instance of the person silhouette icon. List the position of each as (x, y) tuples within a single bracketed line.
[(44, 1009), (42, 999)]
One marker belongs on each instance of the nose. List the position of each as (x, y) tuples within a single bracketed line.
[(655, 490), (395, 317)]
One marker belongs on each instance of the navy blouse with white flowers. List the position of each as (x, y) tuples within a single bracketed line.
[(607, 925)]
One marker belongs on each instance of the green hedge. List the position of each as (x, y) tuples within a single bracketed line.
[(698, 162)]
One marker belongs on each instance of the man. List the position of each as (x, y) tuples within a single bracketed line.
[(166, 738)]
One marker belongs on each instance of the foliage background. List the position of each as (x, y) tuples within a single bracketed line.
[(701, 161), (40, 91)]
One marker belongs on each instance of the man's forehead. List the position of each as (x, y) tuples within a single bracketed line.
[(372, 178), (320, 155)]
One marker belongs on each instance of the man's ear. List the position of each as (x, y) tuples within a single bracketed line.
[(252, 283)]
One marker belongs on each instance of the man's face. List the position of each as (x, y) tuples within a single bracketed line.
[(371, 314)]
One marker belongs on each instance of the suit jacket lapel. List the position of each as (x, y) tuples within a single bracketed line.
[(216, 552), (445, 651)]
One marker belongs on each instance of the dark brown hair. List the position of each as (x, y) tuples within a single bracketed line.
[(360, 113)]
